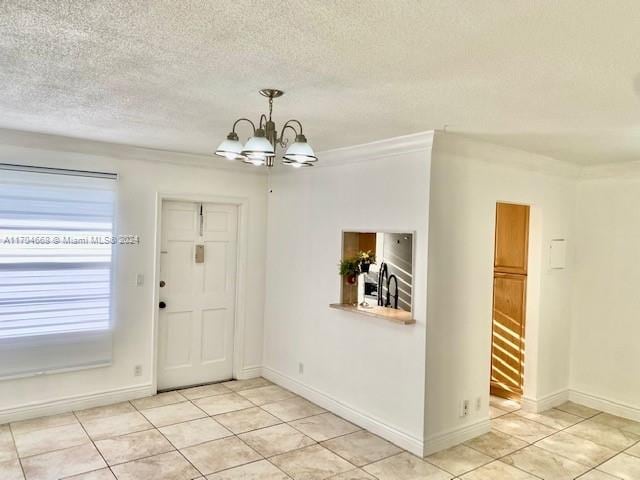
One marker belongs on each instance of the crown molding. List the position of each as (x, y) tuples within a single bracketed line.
[(93, 148), (390, 147)]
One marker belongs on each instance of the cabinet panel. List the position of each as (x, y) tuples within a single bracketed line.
[(512, 238)]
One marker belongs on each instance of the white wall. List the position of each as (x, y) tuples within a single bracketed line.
[(139, 181), (467, 179), (369, 370), (605, 368)]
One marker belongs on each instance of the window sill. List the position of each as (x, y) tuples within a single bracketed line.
[(391, 314)]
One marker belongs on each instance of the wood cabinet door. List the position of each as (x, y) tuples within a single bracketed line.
[(507, 353), (512, 238)]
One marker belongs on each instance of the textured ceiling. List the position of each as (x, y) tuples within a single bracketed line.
[(558, 78)]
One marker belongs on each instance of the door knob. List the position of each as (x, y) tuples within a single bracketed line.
[(162, 305), (162, 283)]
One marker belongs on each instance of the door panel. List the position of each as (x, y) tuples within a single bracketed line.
[(512, 238), (507, 353), (196, 327)]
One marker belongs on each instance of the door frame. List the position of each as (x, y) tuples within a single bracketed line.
[(242, 203)]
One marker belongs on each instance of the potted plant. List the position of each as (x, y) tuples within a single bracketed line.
[(365, 260), (350, 269)]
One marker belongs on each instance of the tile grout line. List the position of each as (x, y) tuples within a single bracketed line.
[(15, 447), (94, 445)]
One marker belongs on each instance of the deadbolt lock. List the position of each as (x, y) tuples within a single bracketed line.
[(162, 283)]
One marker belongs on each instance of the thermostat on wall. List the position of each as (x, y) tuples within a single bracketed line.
[(558, 253)]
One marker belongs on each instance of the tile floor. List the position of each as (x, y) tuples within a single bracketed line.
[(254, 430)]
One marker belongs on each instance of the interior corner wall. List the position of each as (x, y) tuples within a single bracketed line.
[(369, 370), (467, 179), (138, 185), (605, 370)]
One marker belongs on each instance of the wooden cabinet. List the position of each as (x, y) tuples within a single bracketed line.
[(509, 299)]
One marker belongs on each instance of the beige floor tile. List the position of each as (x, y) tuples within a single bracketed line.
[(7, 448), (293, 408), (102, 474), (261, 470), (11, 470), (617, 422), (212, 457), (246, 420), (626, 467), (519, 427), (311, 463), (104, 412), (238, 385), (63, 463), (577, 449), (26, 426), (496, 444), (635, 450), (202, 391), (405, 466), (223, 403), (459, 459), (50, 439), (498, 471), (361, 448), (504, 404), (264, 395), (166, 398), (597, 475), (174, 413), (552, 418), (324, 427), (577, 409), (133, 446), (544, 464), (356, 474), (496, 412), (186, 434), (101, 428), (166, 466), (602, 435), (276, 440)]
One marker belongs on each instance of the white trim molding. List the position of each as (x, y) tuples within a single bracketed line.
[(451, 438), (393, 434), (537, 405), (608, 406), (249, 372), (417, 142), (75, 402)]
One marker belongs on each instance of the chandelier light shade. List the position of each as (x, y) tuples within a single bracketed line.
[(231, 148), (260, 149), (300, 151)]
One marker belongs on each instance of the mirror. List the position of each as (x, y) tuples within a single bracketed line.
[(387, 282)]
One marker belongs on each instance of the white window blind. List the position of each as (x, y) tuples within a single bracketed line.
[(55, 269)]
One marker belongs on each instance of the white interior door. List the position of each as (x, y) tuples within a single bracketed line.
[(196, 325)]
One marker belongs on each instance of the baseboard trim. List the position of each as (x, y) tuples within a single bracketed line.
[(608, 406), (75, 402), (537, 405), (364, 420), (456, 436), (250, 372)]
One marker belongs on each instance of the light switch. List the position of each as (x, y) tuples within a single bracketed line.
[(140, 279), (558, 253), (199, 253)]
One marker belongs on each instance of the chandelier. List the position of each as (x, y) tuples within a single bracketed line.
[(260, 149)]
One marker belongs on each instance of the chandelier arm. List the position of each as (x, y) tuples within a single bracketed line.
[(282, 140), (262, 117), (246, 120), (293, 120)]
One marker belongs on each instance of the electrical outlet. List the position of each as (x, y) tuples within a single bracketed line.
[(137, 370), (140, 279), (301, 368), (478, 403), (464, 408)]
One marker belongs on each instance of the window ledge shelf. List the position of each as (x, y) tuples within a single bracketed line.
[(397, 316)]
